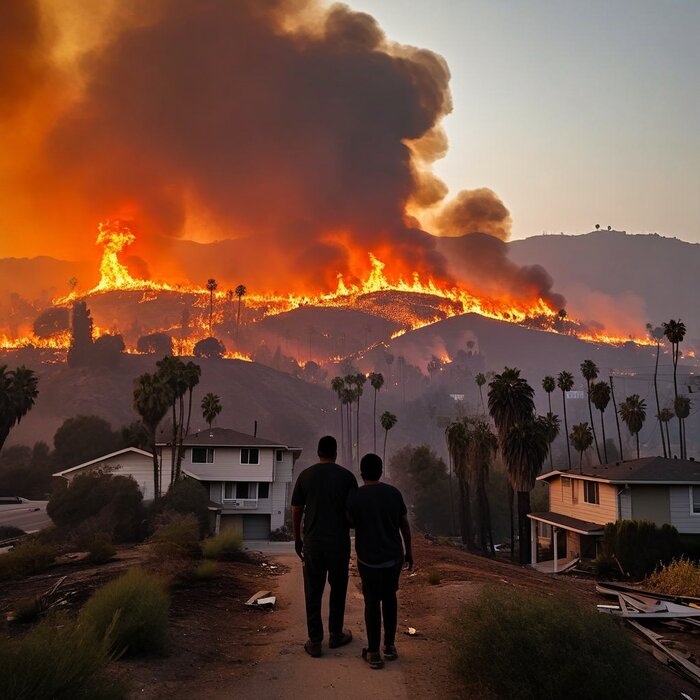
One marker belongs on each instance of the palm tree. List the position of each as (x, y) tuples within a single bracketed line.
[(656, 334), (565, 381), (525, 449), (510, 402), (600, 396), (681, 406), (549, 385), (359, 382), (589, 370), (337, 385), (665, 416), (457, 444), (388, 421), (480, 380), (18, 393), (581, 438), (152, 398), (482, 445), (348, 399), (211, 286), (191, 374), (376, 379), (211, 407), (675, 332), (633, 412), (553, 426), (172, 371), (241, 291)]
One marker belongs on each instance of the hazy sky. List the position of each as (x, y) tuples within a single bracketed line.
[(575, 113)]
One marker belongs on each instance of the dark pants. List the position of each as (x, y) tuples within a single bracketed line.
[(379, 588), (319, 565)]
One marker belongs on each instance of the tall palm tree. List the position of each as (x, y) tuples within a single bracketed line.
[(665, 416), (18, 393), (211, 287), (211, 407), (337, 385), (480, 380), (191, 374), (457, 444), (510, 402), (241, 291), (482, 446), (633, 412), (675, 332), (600, 396), (152, 399), (388, 421), (172, 371), (589, 370), (348, 399), (553, 426), (376, 379), (549, 385), (681, 406), (657, 334), (525, 449), (359, 382), (581, 438), (565, 381)]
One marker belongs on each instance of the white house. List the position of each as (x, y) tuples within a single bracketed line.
[(248, 477), (127, 462)]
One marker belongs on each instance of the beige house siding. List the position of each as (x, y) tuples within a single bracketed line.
[(568, 500)]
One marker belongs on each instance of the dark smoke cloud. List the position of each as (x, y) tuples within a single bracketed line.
[(297, 129)]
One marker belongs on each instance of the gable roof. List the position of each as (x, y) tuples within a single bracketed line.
[(225, 437), (98, 460), (647, 470)]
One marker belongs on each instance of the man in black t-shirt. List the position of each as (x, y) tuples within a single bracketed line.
[(320, 497), (379, 515)]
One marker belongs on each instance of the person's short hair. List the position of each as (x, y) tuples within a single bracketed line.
[(327, 447), (371, 467)]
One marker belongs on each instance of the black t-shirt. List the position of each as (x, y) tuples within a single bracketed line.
[(323, 490), (376, 511)]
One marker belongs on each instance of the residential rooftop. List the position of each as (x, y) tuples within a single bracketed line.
[(645, 470), (225, 437)]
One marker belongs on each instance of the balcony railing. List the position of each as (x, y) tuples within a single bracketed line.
[(240, 503)]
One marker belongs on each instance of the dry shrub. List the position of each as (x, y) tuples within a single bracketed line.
[(101, 550), (226, 546), (680, 577), (176, 536), (29, 557), (206, 570)]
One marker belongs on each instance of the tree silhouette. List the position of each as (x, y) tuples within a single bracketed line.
[(600, 397), (211, 408), (565, 381), (675, 332), (18, 393), (388, 421), (211, 287), (665, 416), (633, 412), (681, 406), (589, 370), (337, 385), (457, 444), (581, 438), (480, 380), (657, 334), (376, 380), (553, 427), (241, 291), (549, 385)]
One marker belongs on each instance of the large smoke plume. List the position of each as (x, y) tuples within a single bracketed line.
[(298, 129)]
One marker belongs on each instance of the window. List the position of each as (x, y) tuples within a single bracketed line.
[(590, 492), (279, 455), (202, 455), (250, 455), (695, 500), (263, 490), (236, 490)]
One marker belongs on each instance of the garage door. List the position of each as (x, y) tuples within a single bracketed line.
[(256, 527)]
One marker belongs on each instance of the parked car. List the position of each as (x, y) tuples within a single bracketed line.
[(9, 500)]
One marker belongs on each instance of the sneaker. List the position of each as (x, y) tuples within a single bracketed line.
[(390, 653), (373, 658), (340, 640), (313, 648)]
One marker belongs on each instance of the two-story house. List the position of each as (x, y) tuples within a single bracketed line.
[(249, 478), (582, 503)]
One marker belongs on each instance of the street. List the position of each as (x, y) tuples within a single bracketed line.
[(29, 516)]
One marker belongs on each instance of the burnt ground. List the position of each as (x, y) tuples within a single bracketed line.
[(217, 644)]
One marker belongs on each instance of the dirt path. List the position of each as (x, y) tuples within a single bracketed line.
[(285, 671)]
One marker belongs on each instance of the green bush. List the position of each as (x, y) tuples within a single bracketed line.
[(680, 577), (187, 496), (29, 557), (605, 567), (98, 501), (132, 611), (57, 660), (177, 536), (225, 546), (640, 546), (206, 570), (101, 550), (510, 644)]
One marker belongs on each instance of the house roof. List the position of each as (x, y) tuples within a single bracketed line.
[(647, 470), (583, 527), (225, 437), (103, 458)]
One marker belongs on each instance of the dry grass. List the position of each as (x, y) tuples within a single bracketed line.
[(680, 577)]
